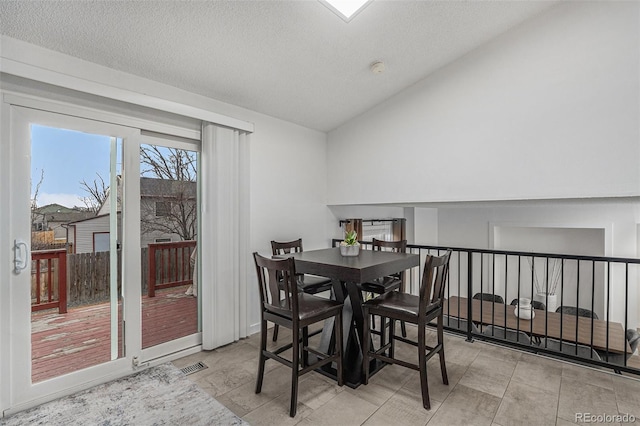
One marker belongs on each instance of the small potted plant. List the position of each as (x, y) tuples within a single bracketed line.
[(350, 245)]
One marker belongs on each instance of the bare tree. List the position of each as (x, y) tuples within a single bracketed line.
[(34, 200), (98, 192), (167, 163), (35, 215), (168, 194)]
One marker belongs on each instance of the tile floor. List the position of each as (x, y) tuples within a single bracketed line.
[(488, 385)]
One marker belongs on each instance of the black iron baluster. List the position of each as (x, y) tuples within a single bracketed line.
[(469, 293)]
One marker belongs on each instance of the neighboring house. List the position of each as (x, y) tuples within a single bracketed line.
[(167, 210), (91, 235), (49, 223), (167, 213)]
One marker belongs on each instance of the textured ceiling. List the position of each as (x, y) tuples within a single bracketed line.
[(295, 60)]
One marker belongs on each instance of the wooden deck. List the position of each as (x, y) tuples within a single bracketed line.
[(62, 343)]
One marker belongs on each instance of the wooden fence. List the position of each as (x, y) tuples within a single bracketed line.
[(90, 277)]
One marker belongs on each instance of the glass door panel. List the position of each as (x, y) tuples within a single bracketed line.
[(168, 226), (76, 304)]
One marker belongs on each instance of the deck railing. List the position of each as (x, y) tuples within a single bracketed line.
[(49, 280), (75, 279), (599, 295), (170, 265)]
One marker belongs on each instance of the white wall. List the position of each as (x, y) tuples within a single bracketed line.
[(549, 109), (288, 193)]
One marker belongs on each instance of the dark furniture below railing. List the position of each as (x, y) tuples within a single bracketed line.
[(566, 327)]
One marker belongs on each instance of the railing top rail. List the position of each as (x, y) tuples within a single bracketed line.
[(532, 254), (518, 253), (49, 251)]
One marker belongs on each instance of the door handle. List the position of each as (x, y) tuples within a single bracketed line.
[(19, 262)]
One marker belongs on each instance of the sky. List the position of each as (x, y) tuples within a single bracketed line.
[(67, 157)]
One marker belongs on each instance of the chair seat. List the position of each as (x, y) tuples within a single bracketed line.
[(404, 303), (309, 307), (313, 284), (382, 285)]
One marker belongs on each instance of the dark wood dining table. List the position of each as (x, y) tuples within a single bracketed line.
[(602, 335), (347, 272)]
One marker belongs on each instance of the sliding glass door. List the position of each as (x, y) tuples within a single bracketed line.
[(71, 256), (104, 223)]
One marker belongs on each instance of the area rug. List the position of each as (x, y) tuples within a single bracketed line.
[(160, 395)]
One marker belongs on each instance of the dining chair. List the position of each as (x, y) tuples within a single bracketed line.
[(582, 351), (633, 338), (580, 312), (489, 297), (310, 284), (507, 334), (534, 304), (458, 323), (296, 311), (394, 282), (413, 309)]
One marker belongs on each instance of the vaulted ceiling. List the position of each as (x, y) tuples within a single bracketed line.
[(294, 60)]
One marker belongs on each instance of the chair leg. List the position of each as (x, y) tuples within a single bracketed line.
[(443, 366), (276, 327), (383, 330), (422, 363), (337, 324), (295, 361), (392, 333), (262, 359), (403, 326), (366, 342), (305, 345)]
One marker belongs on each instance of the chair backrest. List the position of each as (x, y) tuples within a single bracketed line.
[(507, 334), (434, 280), (393, 246), (489, 296), (581, 312), (280, 248), (633, 337), (534, 304), (275, 278), (458, 323), (582, 351)]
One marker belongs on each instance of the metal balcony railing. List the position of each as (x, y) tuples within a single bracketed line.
[(585, 307)]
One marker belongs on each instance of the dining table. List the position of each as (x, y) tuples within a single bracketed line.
[(347, 273), (599, 334)]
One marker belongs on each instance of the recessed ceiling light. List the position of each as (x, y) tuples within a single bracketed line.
[(346, 9)]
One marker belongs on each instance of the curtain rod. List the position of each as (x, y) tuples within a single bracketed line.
[(343, 221)]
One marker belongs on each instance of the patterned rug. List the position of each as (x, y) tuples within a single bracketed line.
[(160, 395)]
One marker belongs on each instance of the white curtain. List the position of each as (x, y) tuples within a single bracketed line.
[(224, 238)]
